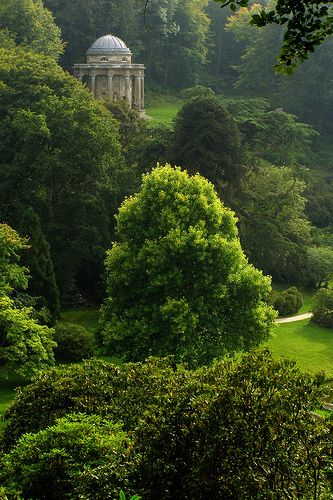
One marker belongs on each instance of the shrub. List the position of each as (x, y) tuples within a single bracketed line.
[(288, 302), (64, 460), (244, 432), (323, 308), (94, 387), (197, 91), (74, 342), (238, 429)]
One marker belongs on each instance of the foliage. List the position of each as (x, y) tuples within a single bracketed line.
[(258, 49), (133, 129), (308, 24), (274, 135), (197, 91), (178, 281), (63, 460), (273, 227), (320, 265), (207, 140), (323, 308), (157, 143), (59, 155), (31, 26), (121, 393), (122, 496), (25, 345), (238, 429), (288, 302), (74, 342), (42, 283)]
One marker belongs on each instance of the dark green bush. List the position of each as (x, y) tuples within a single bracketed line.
[(74, 342), (57, 462), (288, 302), (245, 432), (323, 308), (94, 387), (239, 429)]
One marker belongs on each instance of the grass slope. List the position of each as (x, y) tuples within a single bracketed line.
[(310, 345), (163, 113), (84, 316)]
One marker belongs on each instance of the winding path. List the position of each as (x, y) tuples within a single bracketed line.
[(298, 317)]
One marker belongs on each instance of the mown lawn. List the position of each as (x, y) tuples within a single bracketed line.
[(310, 345), (163, 113)]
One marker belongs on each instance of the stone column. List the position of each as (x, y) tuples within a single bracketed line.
[(137, 93), (142, 78), (93, 84), (110, 78), (128, 90)]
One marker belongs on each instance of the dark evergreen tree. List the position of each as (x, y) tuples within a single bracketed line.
[(37, 258), (207, 140)]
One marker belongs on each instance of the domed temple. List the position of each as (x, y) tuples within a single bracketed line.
[(110, 74)]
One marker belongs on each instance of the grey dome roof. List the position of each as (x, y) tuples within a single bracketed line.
[(108, 44)]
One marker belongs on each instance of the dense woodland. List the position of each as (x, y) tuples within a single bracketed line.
[(179, 258)]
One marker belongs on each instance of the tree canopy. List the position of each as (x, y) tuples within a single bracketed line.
[(59, 155), (29, 24), (207, 140), (178, 281)]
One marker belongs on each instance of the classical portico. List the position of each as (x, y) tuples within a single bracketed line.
[(110, 74)]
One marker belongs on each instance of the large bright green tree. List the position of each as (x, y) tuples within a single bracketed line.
[(177, 279), (25, 345)]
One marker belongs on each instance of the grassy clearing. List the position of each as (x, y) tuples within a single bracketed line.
[(84, 316), (311, 346), (7, 393), (163, 113)]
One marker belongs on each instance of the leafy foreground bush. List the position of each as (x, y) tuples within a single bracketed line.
[(238, 429), (323, 308), (61, 460), (74, 342), (288, 302)]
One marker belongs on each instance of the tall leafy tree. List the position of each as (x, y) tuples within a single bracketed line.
[(274, 229), (60, 155), (272, 134), (31, 25), (178, 281)]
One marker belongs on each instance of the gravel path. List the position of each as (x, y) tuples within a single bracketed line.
[(299, 317)]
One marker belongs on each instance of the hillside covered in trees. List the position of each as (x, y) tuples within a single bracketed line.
[(175, 232)]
